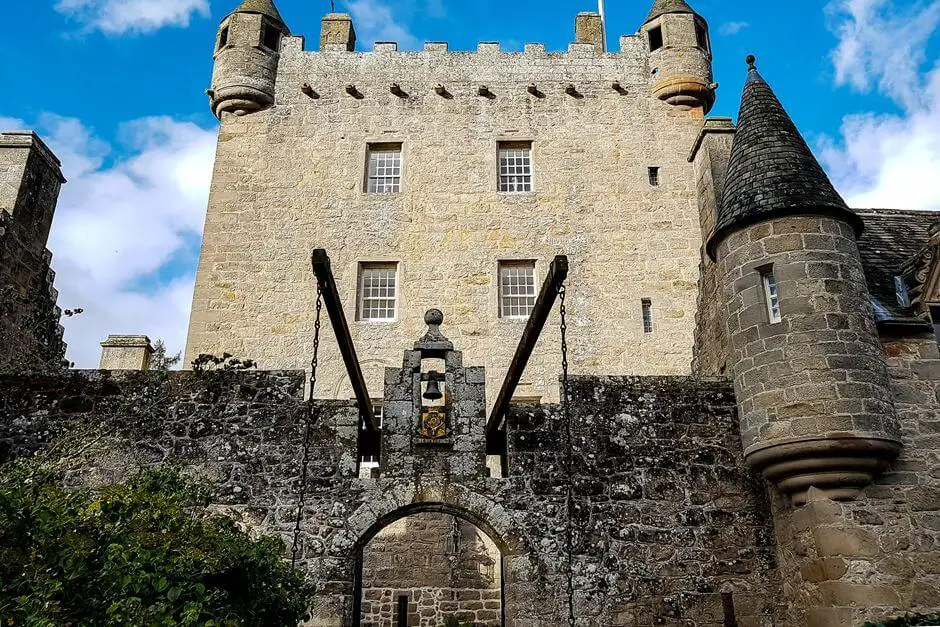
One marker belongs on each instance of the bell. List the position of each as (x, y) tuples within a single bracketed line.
[(433, 393)]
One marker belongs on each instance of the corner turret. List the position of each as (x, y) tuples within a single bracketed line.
[(810, 376), (247, 51), (680, 58)]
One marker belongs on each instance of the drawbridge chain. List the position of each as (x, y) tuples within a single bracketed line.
[(566, 412), (308, 432)]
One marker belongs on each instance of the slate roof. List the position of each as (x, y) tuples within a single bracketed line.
[(264, 7), (772, 172), (891, 238), (661, 7)]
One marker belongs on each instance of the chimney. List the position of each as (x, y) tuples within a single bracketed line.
[(126, 352), (337, 33), (589, 29)]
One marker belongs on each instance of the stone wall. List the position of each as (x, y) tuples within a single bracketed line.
[(443, 565), (879, 556), (668, 526), (30, 179), (290, 178)]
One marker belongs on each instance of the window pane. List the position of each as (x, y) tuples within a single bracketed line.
[(515, 169), (517, 289), (647, 316), (377, 292), (384, 171), (773, 300)]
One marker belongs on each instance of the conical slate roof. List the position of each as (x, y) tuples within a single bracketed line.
[(772, 172), (264, 7), (661, 7)]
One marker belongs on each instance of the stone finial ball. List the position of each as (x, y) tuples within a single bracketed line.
[(433, 316)]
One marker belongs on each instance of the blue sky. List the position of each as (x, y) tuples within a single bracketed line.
[(117, 89)]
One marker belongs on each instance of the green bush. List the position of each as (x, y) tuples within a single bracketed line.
[(909, 620), (136, 553)]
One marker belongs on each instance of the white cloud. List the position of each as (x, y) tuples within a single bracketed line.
[(882, 45), (729, 29), (125, 232), (375, 21), (887, 160), (116, 17)]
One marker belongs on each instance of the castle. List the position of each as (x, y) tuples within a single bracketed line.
[(750, 430)]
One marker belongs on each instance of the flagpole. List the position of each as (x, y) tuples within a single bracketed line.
[(600, 9)]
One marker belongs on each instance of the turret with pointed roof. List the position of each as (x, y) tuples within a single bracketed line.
[(246, 58), (772, 171), (801, 331), (680, 55)]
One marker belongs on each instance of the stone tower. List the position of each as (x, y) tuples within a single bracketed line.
[(30, 180), (810, 375), (247, 51), (680, 58), (447, 177)]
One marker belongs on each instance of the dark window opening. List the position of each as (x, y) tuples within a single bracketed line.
[(647, 315), (656, 38), (935, 315), (270, 37), (701, 36), (401, 619), (223, 38), (654, 176)]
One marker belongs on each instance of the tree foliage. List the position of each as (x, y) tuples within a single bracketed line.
[(159, 361), (140, 552)]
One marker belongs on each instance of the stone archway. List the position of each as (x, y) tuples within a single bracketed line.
[(428, 568), (478, 511)]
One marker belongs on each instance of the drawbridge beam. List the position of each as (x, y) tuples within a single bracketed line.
[(334, 307), (557, 273)]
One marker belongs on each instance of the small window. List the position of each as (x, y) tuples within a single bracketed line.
[(378, 291), (270, 37), (516, 289), (384, 169), (654, 177), (223, 38), (515, 167), (769, 282), (656, 38), (647, 315), (701, 36)]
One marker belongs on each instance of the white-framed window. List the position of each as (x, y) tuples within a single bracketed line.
[(517, 292), (647, 307), (384, 169), (769, 282), (515, 167), (378, 292)]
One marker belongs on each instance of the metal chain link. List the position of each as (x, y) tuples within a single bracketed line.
[(308, 432), (569, 466)]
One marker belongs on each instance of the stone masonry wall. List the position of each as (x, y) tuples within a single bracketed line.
[(30, 179), (667, 522), (821, 369), (445, 566), (879, 556), (291, 178)]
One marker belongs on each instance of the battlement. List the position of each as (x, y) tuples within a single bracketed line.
[(438, 73)]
